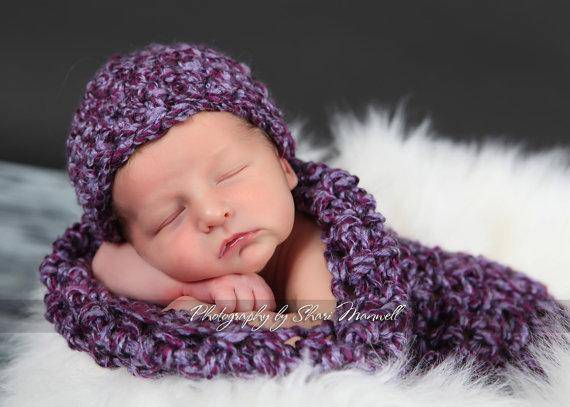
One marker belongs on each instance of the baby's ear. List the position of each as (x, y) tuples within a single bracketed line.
[(292, 179)]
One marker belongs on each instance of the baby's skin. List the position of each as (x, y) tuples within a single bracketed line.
[(181, 196)]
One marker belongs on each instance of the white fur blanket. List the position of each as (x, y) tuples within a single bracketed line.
[(490, 200)]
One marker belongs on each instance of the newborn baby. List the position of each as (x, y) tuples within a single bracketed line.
[(219, 211), (183, 197)]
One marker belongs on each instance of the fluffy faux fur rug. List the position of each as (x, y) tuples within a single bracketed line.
[(490, 200)]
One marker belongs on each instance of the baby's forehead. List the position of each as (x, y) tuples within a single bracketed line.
[(242, 141), (248, 133)]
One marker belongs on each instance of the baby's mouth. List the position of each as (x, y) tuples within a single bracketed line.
[(236, 239)]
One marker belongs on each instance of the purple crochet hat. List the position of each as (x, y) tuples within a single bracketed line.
[(137, 98)]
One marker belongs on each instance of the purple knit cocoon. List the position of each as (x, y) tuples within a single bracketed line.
[(455, 303)]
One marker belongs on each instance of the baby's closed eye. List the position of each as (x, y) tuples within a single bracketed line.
[(232, 173)]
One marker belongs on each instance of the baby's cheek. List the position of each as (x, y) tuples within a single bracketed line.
[(175, 268), (183, 264), (186, 262)]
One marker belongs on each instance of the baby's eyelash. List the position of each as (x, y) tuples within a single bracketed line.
[(233, 173), (169, 221)]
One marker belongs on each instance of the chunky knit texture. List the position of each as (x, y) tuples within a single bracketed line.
[(456, 303)]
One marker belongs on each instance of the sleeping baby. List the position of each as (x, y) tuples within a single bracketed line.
[(193, 197), (209, 218)]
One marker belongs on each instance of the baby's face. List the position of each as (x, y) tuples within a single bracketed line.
[(206, 179)]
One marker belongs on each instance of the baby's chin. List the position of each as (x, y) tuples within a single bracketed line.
[(256, 257), (253, 259)]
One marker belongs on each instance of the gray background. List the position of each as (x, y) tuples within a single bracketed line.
[(476, 67)]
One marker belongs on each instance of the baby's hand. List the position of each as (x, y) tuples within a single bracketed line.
[(236, 292)]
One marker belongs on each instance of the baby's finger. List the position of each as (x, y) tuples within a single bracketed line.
[(225, 296), (245, 298), (263, 295)]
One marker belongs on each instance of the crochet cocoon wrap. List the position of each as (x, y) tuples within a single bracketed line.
[(455, 303)]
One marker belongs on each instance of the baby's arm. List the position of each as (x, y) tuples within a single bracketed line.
[(120, 268), (124, 272)]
